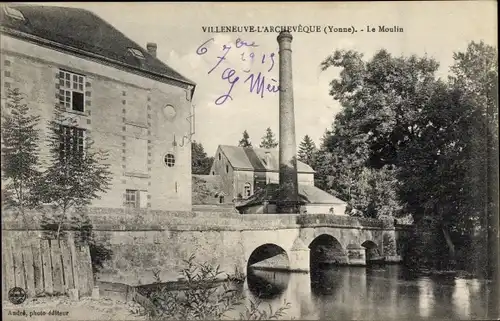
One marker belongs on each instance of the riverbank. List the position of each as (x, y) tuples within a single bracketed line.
[(62, 308)]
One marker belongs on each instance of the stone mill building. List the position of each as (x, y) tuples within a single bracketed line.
[(121, 95)]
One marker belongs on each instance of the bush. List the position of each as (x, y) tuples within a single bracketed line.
[(204, 296)]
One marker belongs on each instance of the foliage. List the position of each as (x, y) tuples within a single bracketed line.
[(100, 249), (245, 141), (475, 73), (200, 163), (406, 142), (307, 151), (269, 140), (20, 153), (389, 244), (204, 297), (100, 252), (206, 191), (254, 312), (448, 166), (76, 175)]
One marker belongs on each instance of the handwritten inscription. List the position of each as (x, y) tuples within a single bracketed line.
[(257, 82)]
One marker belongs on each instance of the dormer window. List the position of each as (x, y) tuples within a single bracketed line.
[(14, 13), (136, 53)]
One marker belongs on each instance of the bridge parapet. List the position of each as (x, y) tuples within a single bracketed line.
[(119, 220), (315, 220)]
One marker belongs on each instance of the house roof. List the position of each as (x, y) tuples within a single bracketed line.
[(83, 30), (257, 159), (308, 194), (315, 195)]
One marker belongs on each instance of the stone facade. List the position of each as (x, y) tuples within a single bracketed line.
[(237, 181), (146, 240), (137, 119)]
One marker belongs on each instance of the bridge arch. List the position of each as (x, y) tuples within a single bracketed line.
[(267, 256), (324, 250), (372, 250)]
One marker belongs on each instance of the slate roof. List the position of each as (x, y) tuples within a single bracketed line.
[(257, 159), (308, 194), (83, 30)]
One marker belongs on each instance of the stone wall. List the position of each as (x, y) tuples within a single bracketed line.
[(124, 114), (223, 168), (146, 242)]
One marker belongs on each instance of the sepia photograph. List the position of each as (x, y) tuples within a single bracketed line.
[(249, 160)]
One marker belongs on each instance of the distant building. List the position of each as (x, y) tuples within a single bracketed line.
[(121, 95), (250, 177)]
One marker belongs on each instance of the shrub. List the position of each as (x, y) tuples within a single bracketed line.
[(204, 296)]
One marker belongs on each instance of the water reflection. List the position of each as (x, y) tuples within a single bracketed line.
[(426, 297), (267, 285), (376, 292)]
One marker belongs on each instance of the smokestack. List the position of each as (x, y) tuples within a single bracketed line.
[(288, 195), (151, 47)]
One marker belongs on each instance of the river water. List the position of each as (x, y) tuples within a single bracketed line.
[(369, 293)]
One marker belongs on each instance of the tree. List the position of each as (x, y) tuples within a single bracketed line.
[(245, 141), (423, 140), (448, 165), (200, 163), (381, 101), (20, 152), (475, 73), (268, 141), (76, 174), (307, 151)]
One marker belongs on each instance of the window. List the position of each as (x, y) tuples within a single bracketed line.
[(136, 53), (13, 13), (219, 156), (169, 112), (221, 199), (170, 160), (71, 90), (248, 189), (71, 141), (132, 198), (227, 168)]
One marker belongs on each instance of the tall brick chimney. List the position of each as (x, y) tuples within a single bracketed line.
[(288, 201), (151, 47)]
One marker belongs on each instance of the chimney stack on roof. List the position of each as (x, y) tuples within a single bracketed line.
[(151, 47)]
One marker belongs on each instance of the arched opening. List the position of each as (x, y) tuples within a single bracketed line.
[(268, 257), (356, 254), (266, 271), (372, 252), (326, 250)]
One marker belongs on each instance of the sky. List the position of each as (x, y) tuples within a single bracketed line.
[(436, 29)]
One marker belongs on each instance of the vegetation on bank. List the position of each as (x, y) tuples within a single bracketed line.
[(205, 295), (67, 181), (407, 142)]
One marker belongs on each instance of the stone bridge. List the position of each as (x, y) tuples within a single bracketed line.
[(144, 244)]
